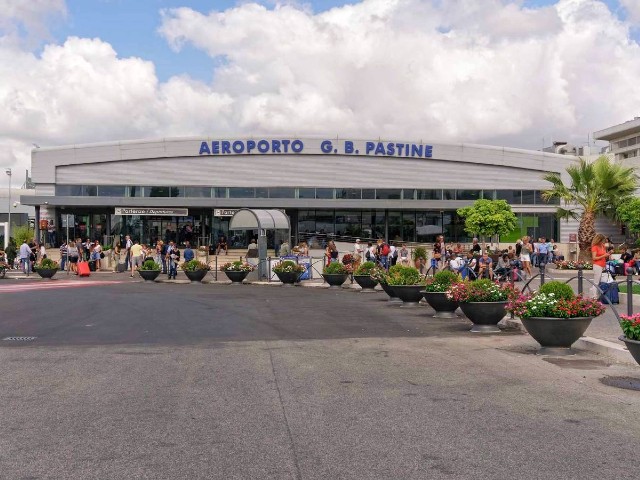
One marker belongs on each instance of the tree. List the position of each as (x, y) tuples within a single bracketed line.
[(23, 233), (629, 213), (487, 218), (596, 188)]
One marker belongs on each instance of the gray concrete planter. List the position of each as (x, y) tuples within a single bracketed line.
[(46, 273), (556, 335), (235, 276), (633, 346), (444, 307), (149, 275), (484, 315), (409, 294), (196, 276), (367, 283), (288, 279), (335, 280)]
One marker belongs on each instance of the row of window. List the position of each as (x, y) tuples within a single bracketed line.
[(628, 154), (629, 142), (527, 197)]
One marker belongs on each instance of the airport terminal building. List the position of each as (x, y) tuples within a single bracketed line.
[(188, 188)]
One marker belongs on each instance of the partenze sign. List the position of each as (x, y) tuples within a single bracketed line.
[(171, 212), (297, 146)]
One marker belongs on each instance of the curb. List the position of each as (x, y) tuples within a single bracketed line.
[(588, 344)]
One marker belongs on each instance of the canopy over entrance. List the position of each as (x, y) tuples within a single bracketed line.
[(261, 221), (251, 219)]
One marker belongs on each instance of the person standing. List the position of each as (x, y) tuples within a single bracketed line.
[(358, 249), (135, 256), (127, 245), (525, 256), (25, 258), (188, 252), (51, 234), (599, 256), (63, 255)]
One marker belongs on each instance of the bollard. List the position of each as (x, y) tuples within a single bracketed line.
[(580, 275), (541, 274), (216, 268), (268, 272), (629, 293)]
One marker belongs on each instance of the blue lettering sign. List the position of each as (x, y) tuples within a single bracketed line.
[(204, 148), (326, 146), (226, 147), (215, 148), (275, 146), (250, 145), (348, 147), (369, 147), (263, 146), (297, 146)]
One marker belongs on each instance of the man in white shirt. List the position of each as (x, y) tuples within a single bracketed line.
[(357, 250), (25, 258)]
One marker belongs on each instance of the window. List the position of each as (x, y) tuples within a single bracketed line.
[(349, 193), (512, 197), (242, 192), (69, 190), (324, 193), (262, 192), (389, 193), (111, 190), (160, 191), (489, 194), (368, 193), (528, 197), (281, 192), (348, 223), (448, 194), (197, 192), (468, 195), (90, 190), (219, 192), (306, 192), (135, 191), (426, 194)]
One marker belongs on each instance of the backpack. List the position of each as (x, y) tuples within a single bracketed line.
[(384, 251), (367, 255)]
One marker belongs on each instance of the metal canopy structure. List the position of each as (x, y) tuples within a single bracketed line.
[(261, 220), (252, 219)]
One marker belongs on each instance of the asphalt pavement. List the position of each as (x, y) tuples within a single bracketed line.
[(173, 381)]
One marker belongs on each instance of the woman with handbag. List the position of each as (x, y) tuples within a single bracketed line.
[(96, 254)]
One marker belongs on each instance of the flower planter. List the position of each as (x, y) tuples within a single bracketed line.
[(367, 283), (388, 289), (484, 315), (335, 280), (444, 307), (149, 275), (196, 275), (556, 335), (409, 294), (46, 273), (288, 279), (236, 276), (633, 346)]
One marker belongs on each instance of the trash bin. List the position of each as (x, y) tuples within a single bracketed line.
[(92, 265)]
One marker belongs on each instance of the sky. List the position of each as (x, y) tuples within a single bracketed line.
[(517, 73)]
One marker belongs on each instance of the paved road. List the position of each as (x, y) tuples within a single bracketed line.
[(212, 381)]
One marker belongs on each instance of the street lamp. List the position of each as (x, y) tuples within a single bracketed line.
[(8, 229)]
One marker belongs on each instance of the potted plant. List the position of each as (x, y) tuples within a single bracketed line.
[(288, 272), (631, 328), (483, 302), (335, 274), (237, 271), (362, 276), (149, 270), (435, 293), (47, 268), (195, 270), (555, 316), (407, 282)]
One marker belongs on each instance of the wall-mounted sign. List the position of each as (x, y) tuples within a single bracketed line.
[(573, 237), (224, 212), (168, 212)]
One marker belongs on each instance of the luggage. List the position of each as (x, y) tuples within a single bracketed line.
[(610, 293), (92, 265), (122, 267), (83, 269)]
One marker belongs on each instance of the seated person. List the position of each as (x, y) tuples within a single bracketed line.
[(469, 267), (503, 265), (485, 266), (222, 245)]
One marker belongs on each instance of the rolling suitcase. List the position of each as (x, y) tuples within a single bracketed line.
[(83, 269)]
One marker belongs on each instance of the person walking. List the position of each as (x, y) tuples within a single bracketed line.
[(25, 258), (525, 256), (599, 257), (135, 256)]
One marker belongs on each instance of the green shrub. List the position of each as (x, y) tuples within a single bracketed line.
[(289, 266), (150, 265), (442, 281), (47, 264), (558, 289), (402, 275), (194, 265), (335, 267), (419, 253), (365, 269)]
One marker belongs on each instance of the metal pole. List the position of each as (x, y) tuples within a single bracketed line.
[(629, 294), (66, 264), (580, 275), (217, 267), (541, 274), (8, 229)]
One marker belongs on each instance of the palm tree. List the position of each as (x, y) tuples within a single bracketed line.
[(596, 188)]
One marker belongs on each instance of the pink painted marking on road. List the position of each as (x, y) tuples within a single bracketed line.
[(22, 286)]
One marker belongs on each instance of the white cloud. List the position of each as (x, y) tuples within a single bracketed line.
[(632, 8), (459, 70)]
